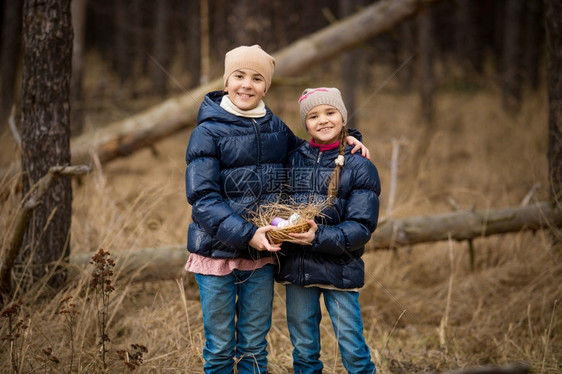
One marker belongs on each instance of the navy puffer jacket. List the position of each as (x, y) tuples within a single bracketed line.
[(334, 258), (233, 164)]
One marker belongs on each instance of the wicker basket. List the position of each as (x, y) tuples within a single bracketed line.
[(278, 236)]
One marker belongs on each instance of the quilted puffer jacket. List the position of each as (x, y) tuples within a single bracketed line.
[(233, 165), (334, 258)]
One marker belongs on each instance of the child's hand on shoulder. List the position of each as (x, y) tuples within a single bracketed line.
[(357, 145)]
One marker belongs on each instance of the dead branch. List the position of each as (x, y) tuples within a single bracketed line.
[(31, 201), (464, 225)]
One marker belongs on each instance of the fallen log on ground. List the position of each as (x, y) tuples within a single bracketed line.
[(464, 225), (168, 261), (515, 368)]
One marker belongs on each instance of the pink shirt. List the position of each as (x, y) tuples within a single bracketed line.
[(223, 266)]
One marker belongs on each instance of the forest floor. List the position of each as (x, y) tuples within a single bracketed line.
[(424, 308)]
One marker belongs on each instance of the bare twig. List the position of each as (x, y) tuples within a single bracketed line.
[(548, 334), (445, 318), (530, 194), (393, 176), (12, 123)]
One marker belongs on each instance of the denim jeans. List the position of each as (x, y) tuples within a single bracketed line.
[(236, 318), (303, 319)]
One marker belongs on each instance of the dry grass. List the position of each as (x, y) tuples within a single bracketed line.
[(423, 307)]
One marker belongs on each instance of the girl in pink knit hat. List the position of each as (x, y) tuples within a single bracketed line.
[(330, 265)]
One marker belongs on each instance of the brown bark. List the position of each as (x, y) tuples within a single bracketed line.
[(553, 15), (47, 52), (168, 261)]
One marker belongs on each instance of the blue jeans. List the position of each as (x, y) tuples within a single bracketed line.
[(236, 318), (303, 319)]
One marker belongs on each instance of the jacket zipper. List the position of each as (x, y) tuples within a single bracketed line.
[(258, 140), (258, 161), (318, 159), (301, 259)]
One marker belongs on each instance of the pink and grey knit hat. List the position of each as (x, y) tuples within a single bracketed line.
[(312, 97)]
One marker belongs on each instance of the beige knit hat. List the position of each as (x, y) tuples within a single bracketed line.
[(254, 58), (312, 97)]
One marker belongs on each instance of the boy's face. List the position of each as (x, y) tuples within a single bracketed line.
[(245, 88), (324, 123)]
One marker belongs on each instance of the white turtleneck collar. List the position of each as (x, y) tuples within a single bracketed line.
[(257, 112)]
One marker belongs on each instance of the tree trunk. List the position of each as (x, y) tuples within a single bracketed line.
[(78, 8), (533, 43), (468, 52), (426, 80), (220, 34), (205, 43), (465, 225), (47, 56), (168, 261), (511, 94), (350, 62), (426, 48), (122, 40), (406, 51), (10, 56), (553, 15), (161, 51)]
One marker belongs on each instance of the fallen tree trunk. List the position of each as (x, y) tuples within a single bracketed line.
[(125, 137), (168, 261), (465, 225), (515, 368)]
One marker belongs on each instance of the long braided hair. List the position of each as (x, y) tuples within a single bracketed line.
[(335, 177)]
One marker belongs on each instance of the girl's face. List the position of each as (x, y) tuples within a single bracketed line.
[(245, 88), (324, 123)]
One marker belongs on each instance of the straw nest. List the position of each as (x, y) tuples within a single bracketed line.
[(267, 212)]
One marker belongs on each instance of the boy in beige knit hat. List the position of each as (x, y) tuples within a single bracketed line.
[(253, 58), (235, 159)]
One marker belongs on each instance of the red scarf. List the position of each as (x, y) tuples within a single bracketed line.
[(324, 147)]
